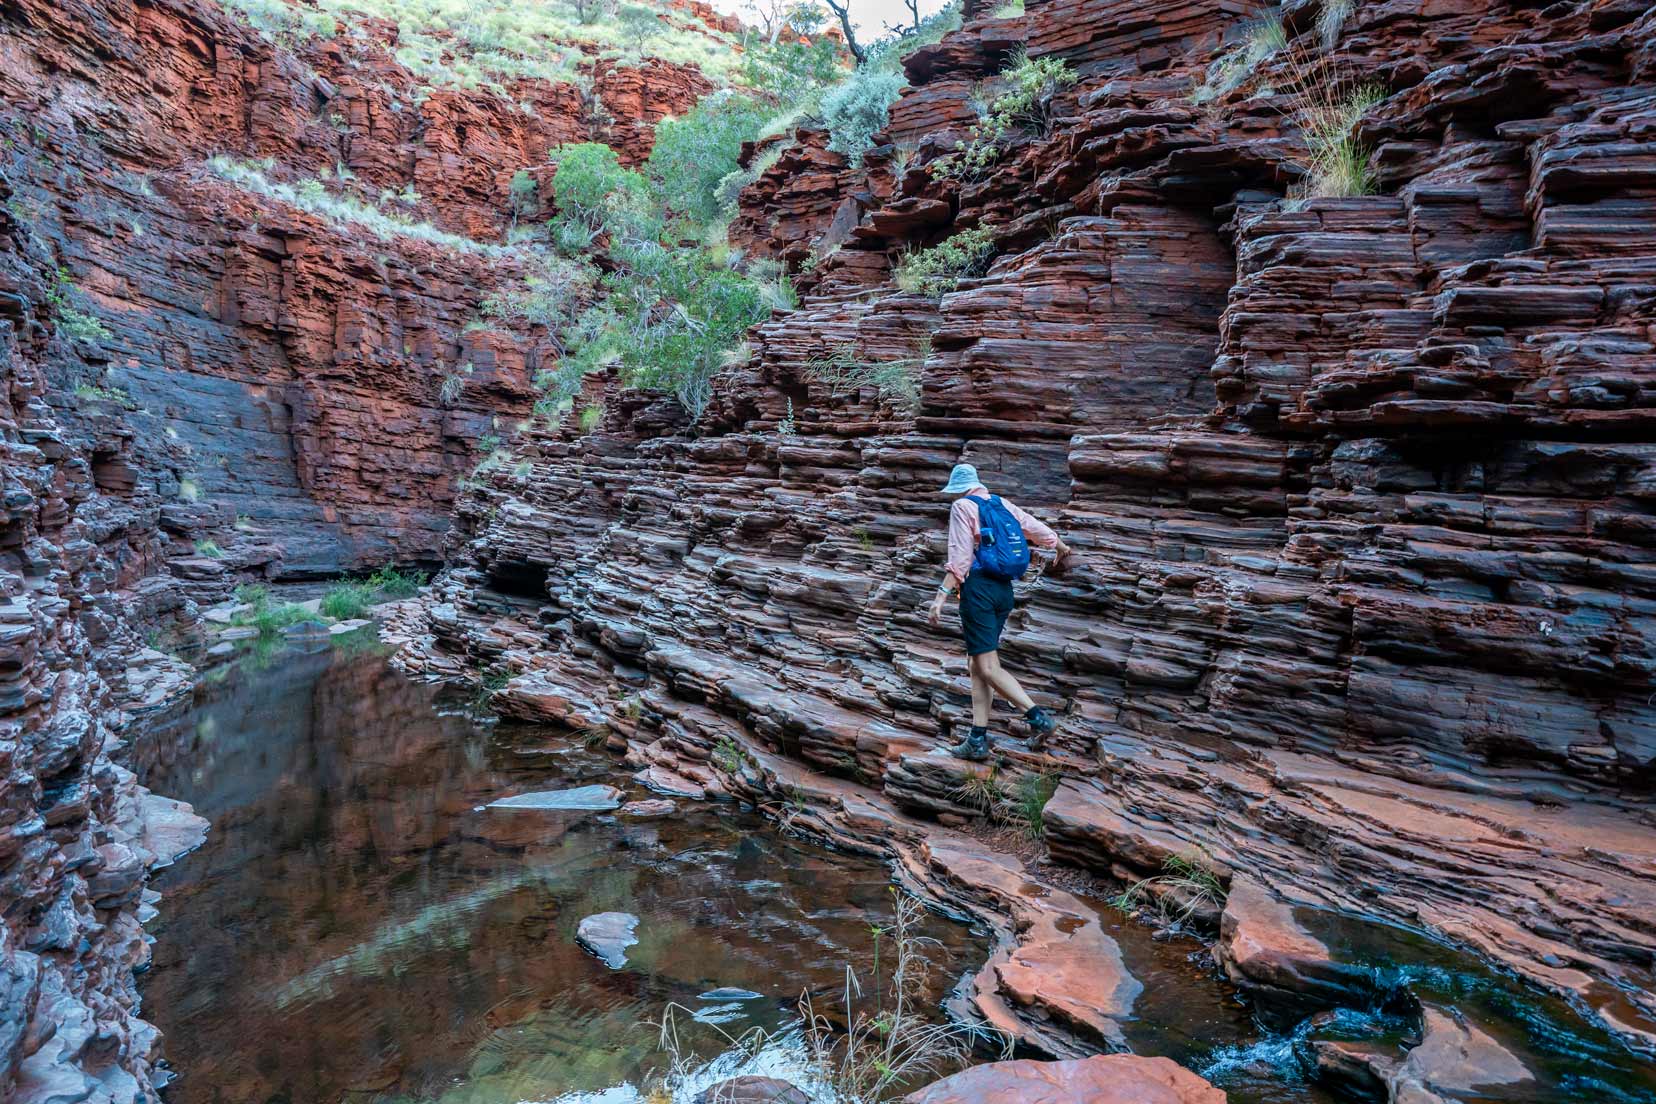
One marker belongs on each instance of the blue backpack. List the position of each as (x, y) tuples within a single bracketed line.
[(1002, 552)]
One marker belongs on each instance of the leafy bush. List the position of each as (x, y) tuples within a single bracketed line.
[(1025, 103), (791, 73), (694, 153), (264, 614), (591, 188), (940, 269), (549, 296), (859, 108), (679, 315), (391, 583)]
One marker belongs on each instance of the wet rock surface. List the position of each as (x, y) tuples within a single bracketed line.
[(1104, 1079), (608, 935)]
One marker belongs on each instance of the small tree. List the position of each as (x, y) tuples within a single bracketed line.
[(842, 9), (639, 24), (524, 196)]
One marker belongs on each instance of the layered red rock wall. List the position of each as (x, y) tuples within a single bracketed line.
[(1359, 487), (299, 359), (80, 546)]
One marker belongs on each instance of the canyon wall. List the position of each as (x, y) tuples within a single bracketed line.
[(203, 382), (297, 357), (1362, 618)]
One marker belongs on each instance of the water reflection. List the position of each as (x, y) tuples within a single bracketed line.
[(357, 927)]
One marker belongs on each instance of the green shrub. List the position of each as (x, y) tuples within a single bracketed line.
[(1024, 103), (347, 601), (1327, 106), (791, 73), (591, 187), (857, 109), (1032, 793), (210, 549), (694, 153), (391, 583), (590, 417), (265, 615), (680, 314), (940, 269)]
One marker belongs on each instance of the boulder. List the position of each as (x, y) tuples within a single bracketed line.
[(1102, 1079)]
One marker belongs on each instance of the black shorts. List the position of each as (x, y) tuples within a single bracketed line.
[(985, 604)]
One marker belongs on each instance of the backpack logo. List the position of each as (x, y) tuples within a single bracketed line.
[(1002, 552)]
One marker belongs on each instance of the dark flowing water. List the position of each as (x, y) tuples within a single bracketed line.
[(356, 928), (359, 928)]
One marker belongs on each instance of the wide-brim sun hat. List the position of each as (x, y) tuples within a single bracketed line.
[(962, 479)]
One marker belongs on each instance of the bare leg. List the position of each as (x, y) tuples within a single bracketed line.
[(983, 695), (1001, 679)]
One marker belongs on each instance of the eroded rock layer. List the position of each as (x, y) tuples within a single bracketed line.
[(1362, 618), (298, 357)]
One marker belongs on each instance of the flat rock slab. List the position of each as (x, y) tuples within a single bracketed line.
[(599, 799), (1103, 1079), (608, 935), (664, 781), (649, 807), (341, 627)]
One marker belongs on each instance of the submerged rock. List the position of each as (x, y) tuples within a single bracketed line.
[(595, 798), (729, 994), (753, 1090), (1454, 1058), (1104, 1079), (649, 807), (608, 935)]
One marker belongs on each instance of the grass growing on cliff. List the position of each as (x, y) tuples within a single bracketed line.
[(342, 208), (1327, 106), (897, 382)]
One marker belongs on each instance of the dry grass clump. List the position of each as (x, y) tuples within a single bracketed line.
[(875, 1045), (1187, 886)]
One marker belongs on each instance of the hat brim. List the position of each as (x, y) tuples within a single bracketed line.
[(956, 488)]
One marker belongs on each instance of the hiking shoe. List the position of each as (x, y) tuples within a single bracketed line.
[(975, 748), (1041, 725)]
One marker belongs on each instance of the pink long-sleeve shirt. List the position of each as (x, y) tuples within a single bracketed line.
[(963, 532)]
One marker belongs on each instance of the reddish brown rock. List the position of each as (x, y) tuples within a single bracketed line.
[(1106, 1079)]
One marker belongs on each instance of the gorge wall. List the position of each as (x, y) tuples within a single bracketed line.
[(203, 382), (1360, 487)]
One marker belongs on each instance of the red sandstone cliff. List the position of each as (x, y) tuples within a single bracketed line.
[(1360, 487)]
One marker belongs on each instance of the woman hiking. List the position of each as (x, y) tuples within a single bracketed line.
[(989, 541)]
